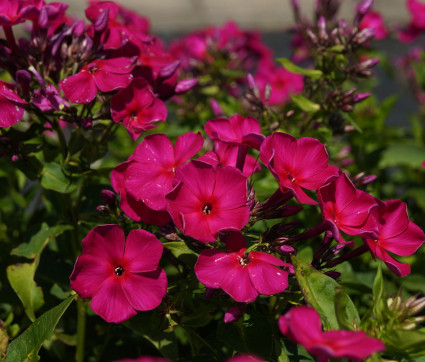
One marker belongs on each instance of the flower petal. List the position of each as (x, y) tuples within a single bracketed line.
[(266, 278), (79, 88)]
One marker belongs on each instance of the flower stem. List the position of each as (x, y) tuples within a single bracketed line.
[(81, 330)]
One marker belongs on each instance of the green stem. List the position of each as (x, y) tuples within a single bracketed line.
[(81, 330)]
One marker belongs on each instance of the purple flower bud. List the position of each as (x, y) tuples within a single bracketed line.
[(347, 107), (364, 35), (287, 249), (368, 64), (102, 209), (14, 158), (311, 36), (216, 107), (295, 4), (267, 92), (208, 293), (290, 210), (251, 81), (347, 162), (185, 85), (43, 18), (86, 123), (102, 21), (368, 179), (233, 314), (360, 97), (109, 197), (169, 70), (23, 79), (364, 7), (333, 274), (79, 28), (321, 26)]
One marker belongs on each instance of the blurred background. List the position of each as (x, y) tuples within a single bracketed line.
[(171, 16)]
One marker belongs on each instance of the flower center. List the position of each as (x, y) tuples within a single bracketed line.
[(243, 261), (119, 270), (207, 208), (92, 68)]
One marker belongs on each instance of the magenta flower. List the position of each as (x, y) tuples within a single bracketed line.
[(16, 11), (282, 82), (242, 276), (150, 173), (135, 209), (137, 107), (122, 277), (104, 75), (347, 209), (145, 359), (417, 21), (297, 164), (206, 201), (302, 325), (237, 129), (396, 234), (374, 20), (11, 105), (246, 358)]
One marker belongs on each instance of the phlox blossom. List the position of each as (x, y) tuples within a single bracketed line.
[(302, 325), (208, 200), (297, 164), (104, 75), (11, 105), (121, 276), (396, 234), (242, 276)]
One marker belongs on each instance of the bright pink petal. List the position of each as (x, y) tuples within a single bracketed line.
[(142, 251), (79, 88), (197, 225), (396, 267), (395, 219), (120, 65), (109, 81), (212, 266), (155, 149), (228, 220), (111, 303), (266, 278), (106, 242), (145, 291), (10, 113), (238, 284), (265, 258), (406, 243), (310, 158), (88, 274), (187, 146), (230, 188), (316, 181)]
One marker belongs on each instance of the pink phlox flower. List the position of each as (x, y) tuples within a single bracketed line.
[(375, 21), (137, 107), (104, 75), (122, 277), (145, 359), (347, 209), (302, 325), (282, 83), (242, 276), (208, 200), (11, 105), (237, 130), (17, 11), (297, 164), (151, 171), (396, 234), (135, 209), (417, 21)]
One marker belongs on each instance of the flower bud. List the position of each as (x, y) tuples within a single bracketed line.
[(109, 197), (169, 70), (102, 21), (364, 35), (216, 108), (185, 85), (233, 314), (321, 26)]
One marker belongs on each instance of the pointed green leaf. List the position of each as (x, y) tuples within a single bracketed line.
[(38, 241), (403, 155), (21, 278), (304, 104), (323, 294), (27, 345), (312, 73), (53, 178)]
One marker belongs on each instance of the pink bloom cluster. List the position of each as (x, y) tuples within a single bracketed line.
[(416, 26), (302, 325)]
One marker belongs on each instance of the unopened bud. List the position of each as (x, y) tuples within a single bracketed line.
[(185, 85), (321, 27), (360, 97), (109, 197), (233, 314), (368, 64), (290, 210), (14, 158), (417, 306), (287, 249), (86, 123), (216, 108), (23, 79), (311, 36), (267, 92), (364, 35), (364, 7), (79, 28), (167, 71), (43, 18), (102, 21), (347, 107)]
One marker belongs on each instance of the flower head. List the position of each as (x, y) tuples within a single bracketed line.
[(302, 325), (12, 106), (122, 277), (208, 200), (297, 164), (241, 276)]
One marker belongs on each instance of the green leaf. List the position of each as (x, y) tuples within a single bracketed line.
[(21, 278), (325, 295), (313, 73), (27, 345), (181, 251), (402, 342), (304, 104), (378, 294), (38, 241), (165, 343), (258, 334), (403, 155), (53, 178)]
